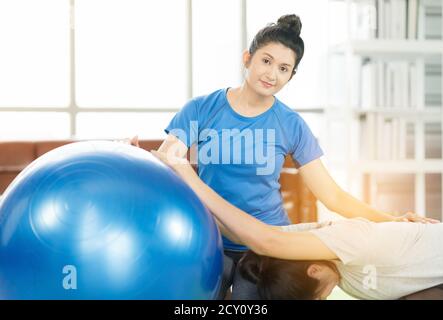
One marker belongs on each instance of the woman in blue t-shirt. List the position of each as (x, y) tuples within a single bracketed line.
[(243, 134)]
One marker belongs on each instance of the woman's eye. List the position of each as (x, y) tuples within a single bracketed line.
[(265, 60), (284, 69)]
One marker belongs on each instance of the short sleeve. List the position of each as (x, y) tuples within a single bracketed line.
[(348, 239), (184, 125), (306, 146)]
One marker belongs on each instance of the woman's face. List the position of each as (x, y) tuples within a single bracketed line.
[(327, 289), (270, 68)]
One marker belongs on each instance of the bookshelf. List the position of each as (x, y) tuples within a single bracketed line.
[(384, 115)]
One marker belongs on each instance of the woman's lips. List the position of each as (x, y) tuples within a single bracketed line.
[(265, 84)]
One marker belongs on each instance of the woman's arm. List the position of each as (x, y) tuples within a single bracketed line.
[(258, 236), (325, 189), (336, 199), (225, 231), (305, 226)]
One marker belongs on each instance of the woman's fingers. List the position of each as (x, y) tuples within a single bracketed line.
[(430, 220), (134, 141), (413, 217)]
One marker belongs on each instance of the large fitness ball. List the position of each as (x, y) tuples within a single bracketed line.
[(104, 220)]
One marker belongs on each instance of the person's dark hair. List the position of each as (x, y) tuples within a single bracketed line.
[(286, 31), (279, 279)]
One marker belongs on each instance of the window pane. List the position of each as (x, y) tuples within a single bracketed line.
[(131, 53), (433, 196), (308, 87), (34, 54), (148, 125), (34, 126), (216, 43)]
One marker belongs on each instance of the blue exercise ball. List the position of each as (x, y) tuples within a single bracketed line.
[(105, 220)]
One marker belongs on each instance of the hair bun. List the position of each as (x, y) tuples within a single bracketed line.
[(291, 23)]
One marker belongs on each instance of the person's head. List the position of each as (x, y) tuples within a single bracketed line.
[(289, 279), (274, 55)]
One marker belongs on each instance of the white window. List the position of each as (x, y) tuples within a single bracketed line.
[(216, 45), (107, 125), (130, 53), (34, 126), (34, 54)]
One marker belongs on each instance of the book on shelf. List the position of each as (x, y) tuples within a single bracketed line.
[(433, 84), (395, 138), (409, 140), (396, 19), (433, 140), (363, 15), (412, 19), (396, 84), (430, 13)]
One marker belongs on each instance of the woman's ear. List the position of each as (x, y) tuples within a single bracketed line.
[(314, 271), (292, 74), (246, 58)]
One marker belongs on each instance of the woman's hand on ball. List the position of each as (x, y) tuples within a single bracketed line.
[(178, 164), (132, 141)]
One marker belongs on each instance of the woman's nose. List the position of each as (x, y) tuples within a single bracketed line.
[(271, 74)]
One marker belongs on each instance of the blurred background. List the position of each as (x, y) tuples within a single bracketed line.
[(369, 84)]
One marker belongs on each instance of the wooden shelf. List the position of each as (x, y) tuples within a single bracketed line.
[(402, 111), (387, 49), (399, 166)]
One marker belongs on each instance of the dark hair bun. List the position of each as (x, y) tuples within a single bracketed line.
[(290, 23)]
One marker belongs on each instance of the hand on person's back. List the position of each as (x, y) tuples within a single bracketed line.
[(413, 217)]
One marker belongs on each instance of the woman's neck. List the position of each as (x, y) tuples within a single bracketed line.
[(334, 267), (244, 98)]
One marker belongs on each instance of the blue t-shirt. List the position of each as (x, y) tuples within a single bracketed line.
[(241, 157)]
